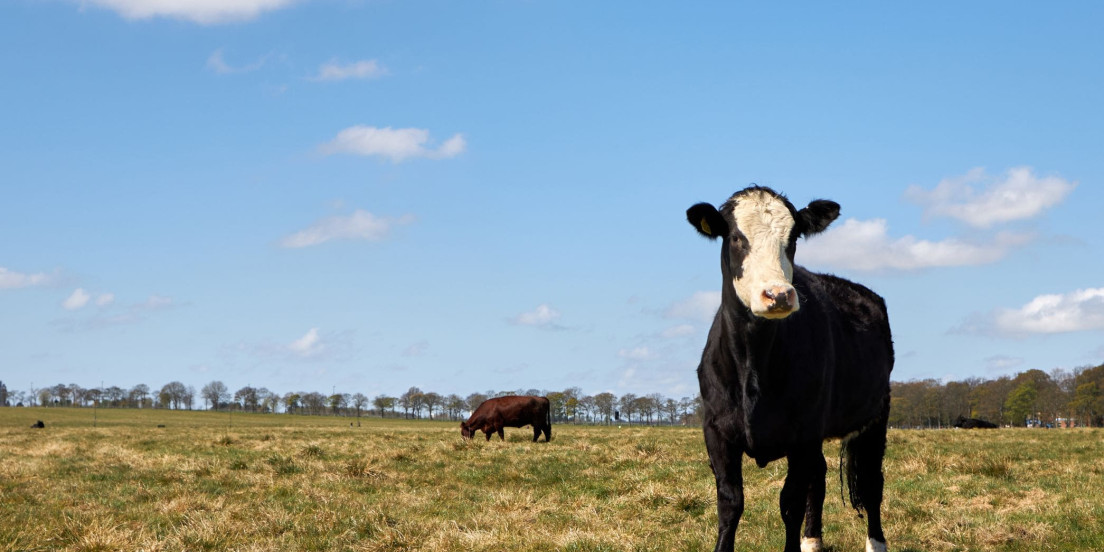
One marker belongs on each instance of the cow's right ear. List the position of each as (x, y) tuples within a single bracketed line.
[(709, 223)]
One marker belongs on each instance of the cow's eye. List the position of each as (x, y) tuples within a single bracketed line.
[(738, 243)]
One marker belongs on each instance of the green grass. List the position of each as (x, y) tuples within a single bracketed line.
[(308, 483)]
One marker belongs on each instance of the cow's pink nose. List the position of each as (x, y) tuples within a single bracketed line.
[(780, 298)]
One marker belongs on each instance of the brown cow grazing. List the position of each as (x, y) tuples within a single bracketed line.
[(510, 411)]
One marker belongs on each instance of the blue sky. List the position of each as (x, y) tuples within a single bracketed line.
[(463, 196)]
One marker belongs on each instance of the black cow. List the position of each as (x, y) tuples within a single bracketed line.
[(973, 423), (511, 411), (793, 358)]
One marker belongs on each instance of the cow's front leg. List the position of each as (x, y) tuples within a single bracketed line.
[(796, 493), (726, 458)]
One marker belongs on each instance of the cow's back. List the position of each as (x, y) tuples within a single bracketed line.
[(511, 411)]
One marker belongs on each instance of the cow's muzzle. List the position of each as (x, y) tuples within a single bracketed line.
[(780, 301)]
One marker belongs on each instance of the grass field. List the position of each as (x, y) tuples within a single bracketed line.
[(209, 481)]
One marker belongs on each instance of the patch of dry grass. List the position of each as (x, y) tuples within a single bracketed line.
[(297, 483)]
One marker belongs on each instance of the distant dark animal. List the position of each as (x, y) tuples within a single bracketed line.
[(973, 423), (793, 358), (511, 411), (38, 425)]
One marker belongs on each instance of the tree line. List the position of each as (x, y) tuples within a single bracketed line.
[(570, 405), (1061, 398)]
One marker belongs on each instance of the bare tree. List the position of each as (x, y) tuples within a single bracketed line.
[(431, 401), (455, 405), (474, 400), (215, 393), (114, 396), (248, 398), (556, 401), (628, 406), (605, 404), (60, 395), (138, 395), (338, 402), (314, 402), (587, 407), (411, 400), (173, 395), (382, 402), (358, 400), (291, 401), (270, 401)]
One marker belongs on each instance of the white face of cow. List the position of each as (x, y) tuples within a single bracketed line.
[(762, 271), (760, 229)]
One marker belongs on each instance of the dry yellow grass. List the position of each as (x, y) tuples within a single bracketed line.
[(297, 483)]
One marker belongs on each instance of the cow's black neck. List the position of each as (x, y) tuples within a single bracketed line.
[(756, 335), (752, 344)]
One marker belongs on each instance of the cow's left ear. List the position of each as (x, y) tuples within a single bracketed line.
[(817, 216)]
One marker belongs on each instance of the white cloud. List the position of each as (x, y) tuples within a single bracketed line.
[(314, 346), (701, 306), (310, 345), (681, 330), (364, 69), (636, 353), (1047, 314), (78, 299), (361, 225), (156, 302), (12, 280), (109, 316), (867, 246), (218, 64), (416, 349), (395, 144), (544, 316), (452, 147), (1002, 363), (204, 12), (1017, 195)]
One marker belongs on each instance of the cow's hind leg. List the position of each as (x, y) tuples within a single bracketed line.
[(547, 433), (536, 432), (863, 456), (803, 467), (812, 539)]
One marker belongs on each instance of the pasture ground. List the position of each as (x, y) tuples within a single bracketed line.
[(210, 481)]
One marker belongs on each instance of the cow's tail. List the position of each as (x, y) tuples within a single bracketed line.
[(548, 424), (848, 466), (861, 455)]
